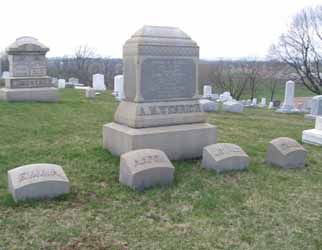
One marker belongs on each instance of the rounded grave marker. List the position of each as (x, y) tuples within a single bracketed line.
[(37, 181), (144, 168), (224, 157), (286, 153)]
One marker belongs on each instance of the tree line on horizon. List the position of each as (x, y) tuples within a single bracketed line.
[(296, 56)]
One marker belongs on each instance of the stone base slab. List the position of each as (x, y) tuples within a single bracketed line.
[(312, 136), (178, 142), (30, 94)]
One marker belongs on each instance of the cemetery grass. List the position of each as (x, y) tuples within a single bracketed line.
[(262, 208)]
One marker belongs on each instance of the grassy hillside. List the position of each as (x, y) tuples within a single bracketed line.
[(262, 208)]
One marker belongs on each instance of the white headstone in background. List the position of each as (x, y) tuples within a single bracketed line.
[(314, 136), (225, 96), (254, 102), (288, 104), (73, 80), (248, 103), (207, 91), (271, 105), (61, 83), (316, 108), (98, 82), (263, 102), (119, 87), (232, 106), (318, 123), (5, 74)]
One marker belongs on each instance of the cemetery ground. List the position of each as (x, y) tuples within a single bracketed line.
[(262, 208)]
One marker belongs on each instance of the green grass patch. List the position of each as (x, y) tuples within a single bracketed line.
[(261, 208)]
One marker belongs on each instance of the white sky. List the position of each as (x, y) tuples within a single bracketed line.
[(222, 28)]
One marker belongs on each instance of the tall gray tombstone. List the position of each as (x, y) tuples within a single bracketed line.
[(161, 108), (28, 80), (316, 109)]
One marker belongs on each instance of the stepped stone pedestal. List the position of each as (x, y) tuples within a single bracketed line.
[(28, 80), (161, 109), (314, 136)]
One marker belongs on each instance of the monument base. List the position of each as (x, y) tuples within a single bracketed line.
[(309, 117), (312, 136), (178, 141), (29, 94)]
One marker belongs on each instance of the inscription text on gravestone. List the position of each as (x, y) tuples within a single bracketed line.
[(164, 79)]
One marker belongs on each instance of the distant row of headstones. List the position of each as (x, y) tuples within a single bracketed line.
[(144, 168), (286, 107)]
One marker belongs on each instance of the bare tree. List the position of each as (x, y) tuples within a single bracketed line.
[(274, 74), (301, 47), (230, 76)]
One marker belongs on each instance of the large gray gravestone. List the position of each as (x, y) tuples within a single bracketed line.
[(286, 153), (161, 108), (316, 109), (144, 168), (37, 181), (224, 157), (28, 80)]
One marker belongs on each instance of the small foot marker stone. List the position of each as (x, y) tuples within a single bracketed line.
[(145, 168), (224, 157), (286, 153), (37, 181)]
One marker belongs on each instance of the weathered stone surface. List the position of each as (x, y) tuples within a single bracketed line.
[(286, 153), (143, 115), (37, 181), (232, 106), (208, 106), (178, 142), (90, 93), (28, 70), (145, 168), (314, 136), (224, 157)]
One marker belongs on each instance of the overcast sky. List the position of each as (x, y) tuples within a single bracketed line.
[(222, 28)]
